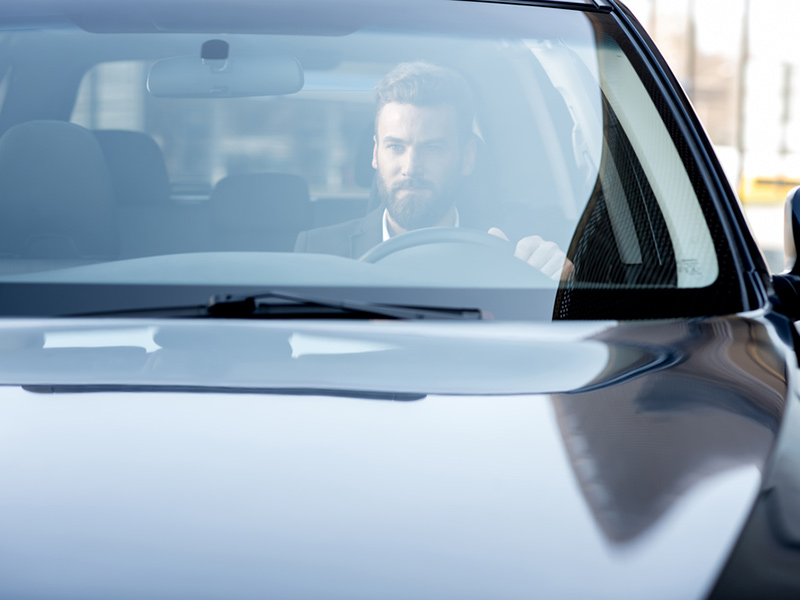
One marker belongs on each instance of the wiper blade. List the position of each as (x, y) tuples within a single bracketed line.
[(280, 305), (283, 305)]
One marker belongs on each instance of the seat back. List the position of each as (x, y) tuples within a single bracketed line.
[(150, 222), (56, 196), (138, 171), (259, 212)]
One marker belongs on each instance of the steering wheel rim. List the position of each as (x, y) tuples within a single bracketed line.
[(435, 235)]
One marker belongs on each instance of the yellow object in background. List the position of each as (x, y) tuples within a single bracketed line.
[(762, 189)]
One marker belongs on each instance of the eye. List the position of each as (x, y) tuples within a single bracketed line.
[(395, 147), (435, 148)]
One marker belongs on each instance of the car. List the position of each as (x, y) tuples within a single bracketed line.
[(380, 299)]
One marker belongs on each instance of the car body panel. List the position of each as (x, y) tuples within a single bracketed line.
[(223, 458), (506, 473)]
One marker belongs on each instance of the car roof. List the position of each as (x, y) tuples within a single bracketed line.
[(311, 17), (39, 8)]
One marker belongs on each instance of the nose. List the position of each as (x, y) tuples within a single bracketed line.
[(413, 165)]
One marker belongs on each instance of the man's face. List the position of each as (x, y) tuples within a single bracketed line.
[(420, 162)]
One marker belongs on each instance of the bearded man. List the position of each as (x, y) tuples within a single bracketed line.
[(424, 148)]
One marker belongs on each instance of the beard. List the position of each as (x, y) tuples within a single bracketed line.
[(413, 210)]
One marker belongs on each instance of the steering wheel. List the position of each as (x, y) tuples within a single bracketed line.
[(435, 235)]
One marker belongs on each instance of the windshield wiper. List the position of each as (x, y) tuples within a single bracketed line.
[(280, 305), (283, 305)]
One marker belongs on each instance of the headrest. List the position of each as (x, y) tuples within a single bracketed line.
[(138, 171), (262, 201), (56, 198)]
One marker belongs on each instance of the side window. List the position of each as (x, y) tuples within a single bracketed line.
[(622, 238), (111, 96), (663, 170), (641, 224), (5, 78)]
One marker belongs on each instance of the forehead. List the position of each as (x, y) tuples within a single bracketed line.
[(416, 123)]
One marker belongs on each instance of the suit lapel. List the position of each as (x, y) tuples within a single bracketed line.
[(368, 233)]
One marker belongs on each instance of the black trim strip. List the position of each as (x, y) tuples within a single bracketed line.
[(598, 5), (200, 389)]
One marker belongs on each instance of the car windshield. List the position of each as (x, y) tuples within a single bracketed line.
[(516, 159)]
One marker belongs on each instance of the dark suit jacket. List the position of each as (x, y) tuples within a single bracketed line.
[(350, 239)]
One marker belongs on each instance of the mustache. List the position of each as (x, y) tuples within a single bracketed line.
[(414, 183)]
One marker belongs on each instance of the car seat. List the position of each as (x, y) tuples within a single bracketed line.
[(259, 212), (56, 195), (150, 222)]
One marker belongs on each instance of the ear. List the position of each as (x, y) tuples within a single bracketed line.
[(470, 154), (375, 152)]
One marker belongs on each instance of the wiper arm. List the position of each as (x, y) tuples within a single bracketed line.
[(283, 305)]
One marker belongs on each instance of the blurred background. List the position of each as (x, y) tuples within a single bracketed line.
[(739, 62)]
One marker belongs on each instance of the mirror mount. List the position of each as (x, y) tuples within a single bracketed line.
[(216, 74), (214, 55)]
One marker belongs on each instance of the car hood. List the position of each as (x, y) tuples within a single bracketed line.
[(176, 459)]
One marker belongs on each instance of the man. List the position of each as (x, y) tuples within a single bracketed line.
[(424, 148)]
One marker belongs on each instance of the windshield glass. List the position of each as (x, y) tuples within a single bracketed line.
[(433, 154)]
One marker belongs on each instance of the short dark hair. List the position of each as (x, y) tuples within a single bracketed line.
[(424, 84)]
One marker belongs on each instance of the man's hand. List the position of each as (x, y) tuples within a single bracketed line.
[(545, 256)]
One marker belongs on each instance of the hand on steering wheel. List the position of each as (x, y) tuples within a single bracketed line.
[(540, 254)]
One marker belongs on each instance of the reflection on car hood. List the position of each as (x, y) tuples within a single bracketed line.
[(564, 460)]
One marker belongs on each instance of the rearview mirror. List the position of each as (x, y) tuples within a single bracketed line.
[(237, 77)]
